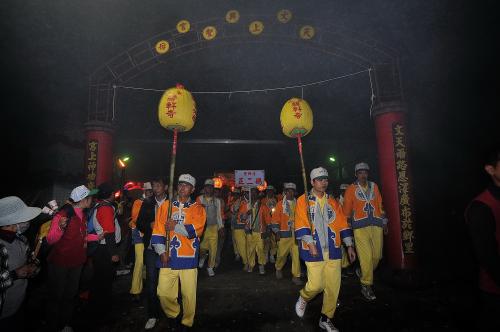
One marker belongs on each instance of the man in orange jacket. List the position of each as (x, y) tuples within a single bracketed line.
[(321, 226), (136, 286), (256, 218), (363, 206), (270, 244), (283, 225), (179, 262)]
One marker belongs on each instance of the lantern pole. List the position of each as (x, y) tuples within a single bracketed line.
[(306, 195), (251, 216), (171, 190)]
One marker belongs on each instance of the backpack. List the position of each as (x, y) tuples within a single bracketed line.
[(93, 227)]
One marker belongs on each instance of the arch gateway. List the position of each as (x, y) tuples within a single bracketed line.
[(388, 110)]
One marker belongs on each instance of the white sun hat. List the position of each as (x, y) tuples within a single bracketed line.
[(14, 211)]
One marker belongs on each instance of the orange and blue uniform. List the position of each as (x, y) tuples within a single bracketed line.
[(256, 228), (181, 269), (283, 222), (189, 216), (363, 205), (329, 227), (332, 233)]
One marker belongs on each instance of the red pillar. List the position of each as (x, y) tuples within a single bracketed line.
[(98, 153), (396, 184)]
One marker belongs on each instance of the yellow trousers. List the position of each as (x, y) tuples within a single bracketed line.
[(369, 242), (288, 246), (241, 244), (255, 245), (323, 276), (209, 243), (136, 287), (168, 291)]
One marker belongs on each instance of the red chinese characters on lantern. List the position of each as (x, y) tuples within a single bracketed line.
[(171, 106), (296, 109)]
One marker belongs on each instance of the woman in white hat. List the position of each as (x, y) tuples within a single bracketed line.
[(68, 237), (14, 268)]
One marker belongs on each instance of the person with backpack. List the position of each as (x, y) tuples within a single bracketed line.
[(67, 237), (104, 224)]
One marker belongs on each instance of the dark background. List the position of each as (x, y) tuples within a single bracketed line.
[(449, 67)]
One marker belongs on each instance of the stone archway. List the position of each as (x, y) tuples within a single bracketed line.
[(282, 28)]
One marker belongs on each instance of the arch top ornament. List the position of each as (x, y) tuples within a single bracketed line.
[(232, 28)]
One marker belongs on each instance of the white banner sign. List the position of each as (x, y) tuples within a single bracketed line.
[(249, 178)]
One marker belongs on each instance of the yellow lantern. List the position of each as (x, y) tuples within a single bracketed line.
[(296, 118), (177, 109)]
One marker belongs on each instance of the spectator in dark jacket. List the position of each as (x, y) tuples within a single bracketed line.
[(483, 220), (145, 222), (105, 256)]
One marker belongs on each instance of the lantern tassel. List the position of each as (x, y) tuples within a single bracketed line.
[(171, 191), (306, 195)]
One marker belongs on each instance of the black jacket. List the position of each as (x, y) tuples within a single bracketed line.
[(145, 218)]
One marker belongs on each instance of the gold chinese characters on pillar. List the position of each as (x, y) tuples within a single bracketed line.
[(404, 189), (91, 161)]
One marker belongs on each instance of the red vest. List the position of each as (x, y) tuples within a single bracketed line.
[(486, 283), (71, 249)]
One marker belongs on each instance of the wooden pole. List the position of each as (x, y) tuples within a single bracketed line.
[(306, 195), (171, 191)]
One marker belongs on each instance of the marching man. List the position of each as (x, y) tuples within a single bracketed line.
[(213, 208), (136, 287), (363, 205), (234, 207), (321, 246), (270, 245), (283, 220), (179, 263), (256, 217)]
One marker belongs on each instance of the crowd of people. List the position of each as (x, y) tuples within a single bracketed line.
[(173, 238)]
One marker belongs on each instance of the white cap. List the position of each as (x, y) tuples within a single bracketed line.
[(81, 192), (209, 182), (147, 186), (14, 211), (343, 186), (319, 172), (361, 166), (187, 178), (289, 185)]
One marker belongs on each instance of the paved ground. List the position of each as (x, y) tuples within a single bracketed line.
[(234, 300)]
